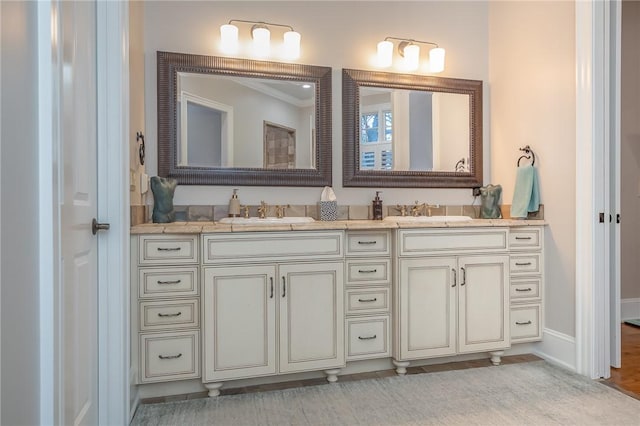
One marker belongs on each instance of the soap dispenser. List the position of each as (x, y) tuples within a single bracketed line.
[(377, 207), (234, 205)]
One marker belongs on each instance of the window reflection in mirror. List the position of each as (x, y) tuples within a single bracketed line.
[(234, 121), (413, 130)]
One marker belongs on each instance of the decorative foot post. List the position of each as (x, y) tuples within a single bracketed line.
[(401, 367), (214, 389), (332, 375), (496, 357)]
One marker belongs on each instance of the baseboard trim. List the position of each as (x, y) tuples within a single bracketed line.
[(630, 308), (557, 348), (134, 395)]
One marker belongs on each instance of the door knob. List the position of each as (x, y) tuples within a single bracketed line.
[(95, 226)]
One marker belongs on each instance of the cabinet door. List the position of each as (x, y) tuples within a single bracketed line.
[(427, 307), (483, 312), (311, 316), (239, 322)]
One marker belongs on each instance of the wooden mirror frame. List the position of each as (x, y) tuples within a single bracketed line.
[(169, 64), (352, 80)]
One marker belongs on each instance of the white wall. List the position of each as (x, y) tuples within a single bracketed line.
[(335, 34), (19, 216), (532, 95), (136, 90), (630, 152)]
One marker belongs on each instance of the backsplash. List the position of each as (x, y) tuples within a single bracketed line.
[(345, 212)]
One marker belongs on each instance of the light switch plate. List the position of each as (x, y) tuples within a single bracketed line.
[(144, 183)]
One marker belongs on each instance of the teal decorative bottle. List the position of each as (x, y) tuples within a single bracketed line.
[(163, 190)]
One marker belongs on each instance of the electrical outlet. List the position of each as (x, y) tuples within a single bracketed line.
[(476, 192)]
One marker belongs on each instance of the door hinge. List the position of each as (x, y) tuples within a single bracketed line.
[(618, 218), (601, 217)]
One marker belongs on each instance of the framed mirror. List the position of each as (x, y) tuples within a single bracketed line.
[(402, 130), (227, 121)]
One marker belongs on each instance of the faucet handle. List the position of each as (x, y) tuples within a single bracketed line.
[(280, 210), (402, 209), (262, 210), (246, 211)]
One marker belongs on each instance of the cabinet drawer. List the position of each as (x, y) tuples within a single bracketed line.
[(449, 241), (525, 264), (525, 238), (169, 314), (524, 289), (367, 301), (368, 243), (368, 338), (272, 246), (525, 323), (167, 249), (367, 272), (167, 282), (169, 356)]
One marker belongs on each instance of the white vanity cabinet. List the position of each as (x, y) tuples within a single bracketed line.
[(368, 294), (527, 283), (451, 294), (266, 315), (165, 307)]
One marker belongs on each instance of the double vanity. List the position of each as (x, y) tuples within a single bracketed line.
[(222, 302)]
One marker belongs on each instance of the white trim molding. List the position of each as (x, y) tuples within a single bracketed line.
[(557, 348), (630, 309), (113, 207)]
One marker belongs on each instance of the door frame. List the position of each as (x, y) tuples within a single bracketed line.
[(597, 136), (113, 204)]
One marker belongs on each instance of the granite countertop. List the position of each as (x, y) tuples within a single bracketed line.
[(214, 227)]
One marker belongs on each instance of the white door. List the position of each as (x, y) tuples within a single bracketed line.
[(311, 316), (240, 322), (78, 309), (483, 303), (428, 306)]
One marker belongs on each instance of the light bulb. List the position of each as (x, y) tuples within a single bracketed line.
[(412, 57), (436, 59), (385, 53), (261, 41), (229, 38), (292, 45)]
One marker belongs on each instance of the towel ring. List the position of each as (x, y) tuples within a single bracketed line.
[(529, 155)]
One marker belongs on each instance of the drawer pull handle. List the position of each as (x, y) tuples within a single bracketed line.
[(284, 287), (524, 289), (455, 277), (367, 242), (169, 356), (169, 315), (523, 238), (169, 248), (170, 282), (367, 271), (368, 337), (271, 294), (368, 300), (523, 264), (464, 276), (523, 323)]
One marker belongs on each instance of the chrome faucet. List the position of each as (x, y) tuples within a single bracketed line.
[(418, 209), (402, 209), (280, 210), (262, 210)]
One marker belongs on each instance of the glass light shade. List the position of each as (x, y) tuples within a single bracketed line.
[(385, 54), (436, 59), (261, 41), (229, 38), (412, 57), (292, 45)]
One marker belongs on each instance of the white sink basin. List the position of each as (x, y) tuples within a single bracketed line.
[(428, 219), (266, 220)]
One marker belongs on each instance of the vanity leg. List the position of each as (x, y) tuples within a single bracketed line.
[(496, 357), (332, 375), (401, 367), (214, 389)]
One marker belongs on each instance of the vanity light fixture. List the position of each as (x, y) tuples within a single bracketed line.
[(409, 49), (261, 39)]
